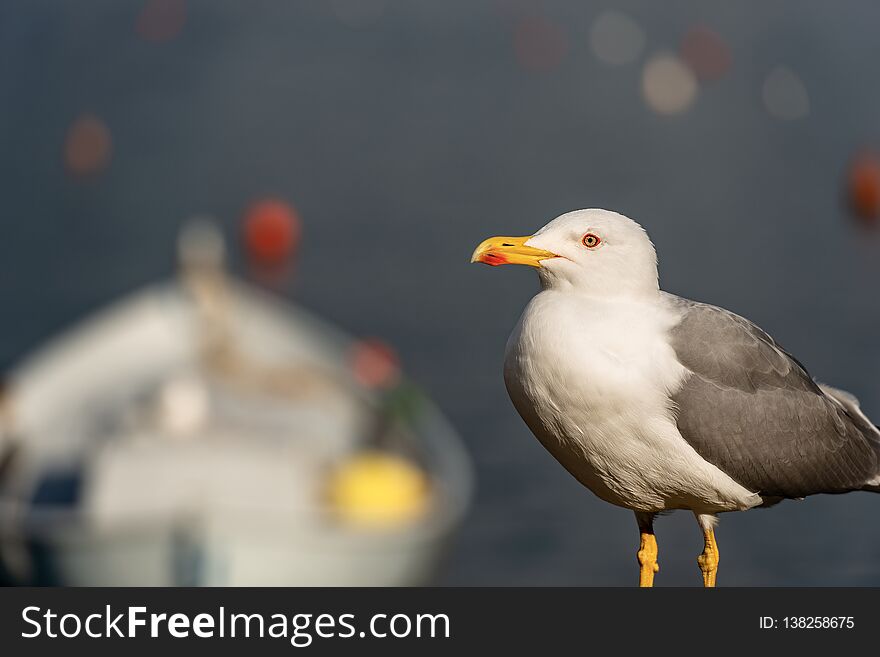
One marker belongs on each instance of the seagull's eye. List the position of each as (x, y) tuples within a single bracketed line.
[(591, 240)]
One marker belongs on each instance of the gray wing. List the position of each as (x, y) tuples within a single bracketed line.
[(753, 411)]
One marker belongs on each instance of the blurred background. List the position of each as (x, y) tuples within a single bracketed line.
[(392, 136)]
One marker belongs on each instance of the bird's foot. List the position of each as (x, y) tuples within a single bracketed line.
[(708, 560), (647, 556)]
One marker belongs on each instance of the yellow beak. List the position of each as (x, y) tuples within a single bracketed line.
[(510, 251)]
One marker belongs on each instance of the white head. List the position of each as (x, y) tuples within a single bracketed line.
[(597, 252)]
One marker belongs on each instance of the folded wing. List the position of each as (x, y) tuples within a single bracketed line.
[(753, 411)]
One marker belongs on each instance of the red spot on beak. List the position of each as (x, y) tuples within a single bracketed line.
[(494, 259)]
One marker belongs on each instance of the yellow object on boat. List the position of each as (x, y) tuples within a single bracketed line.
[(376, 489)]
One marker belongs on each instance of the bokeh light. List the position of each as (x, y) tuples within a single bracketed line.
[(272, 230), (669, 87), (375, 364), (88, 146), (705, 52), (540, 44), (616, 39), (785, 95), (161, 20)]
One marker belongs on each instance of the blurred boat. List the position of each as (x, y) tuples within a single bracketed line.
[(202, 432)]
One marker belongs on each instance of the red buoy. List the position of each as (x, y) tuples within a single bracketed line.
[(863, 186), (271, 232)]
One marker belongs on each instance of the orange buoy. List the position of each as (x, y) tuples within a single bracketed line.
[(375, 364), (271, 231), (863, 182)]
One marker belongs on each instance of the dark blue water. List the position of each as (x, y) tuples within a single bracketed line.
[(405, 142)]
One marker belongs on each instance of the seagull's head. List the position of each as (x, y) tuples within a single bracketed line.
[(594, 251)]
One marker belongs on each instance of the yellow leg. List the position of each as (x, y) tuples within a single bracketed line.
[(708, 561), (647, 556)]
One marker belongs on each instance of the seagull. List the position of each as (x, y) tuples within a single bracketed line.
[(657, 403)]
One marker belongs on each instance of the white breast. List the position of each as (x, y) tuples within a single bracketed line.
[(592, 379)]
